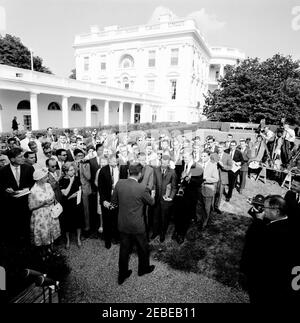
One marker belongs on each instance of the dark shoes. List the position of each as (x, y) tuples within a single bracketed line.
[(107, 244), (147, 271), (122, 278)]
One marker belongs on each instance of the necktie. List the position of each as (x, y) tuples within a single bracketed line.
[(112, 176), (18, 176), (232, 153)]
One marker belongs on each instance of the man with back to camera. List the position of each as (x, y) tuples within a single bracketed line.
[(131, 197)]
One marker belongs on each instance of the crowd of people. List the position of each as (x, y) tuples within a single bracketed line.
[(187, 177)]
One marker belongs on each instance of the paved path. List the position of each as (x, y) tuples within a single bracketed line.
[(94, 280)]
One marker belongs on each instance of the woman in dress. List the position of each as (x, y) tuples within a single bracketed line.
[(44, 228), (73, 215)]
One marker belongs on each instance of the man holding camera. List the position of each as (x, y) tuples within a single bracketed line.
[(267, 255)]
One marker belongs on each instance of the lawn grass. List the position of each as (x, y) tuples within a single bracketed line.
[(214, 252)]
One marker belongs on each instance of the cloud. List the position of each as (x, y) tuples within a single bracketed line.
[(206, 22), (2, 19)]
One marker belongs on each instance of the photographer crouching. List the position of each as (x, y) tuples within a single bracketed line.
[(268, 252)]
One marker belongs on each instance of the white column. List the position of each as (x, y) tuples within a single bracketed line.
[(34, 111), (132, 113), (221, 70), (65, 112), (88, 113), (121, 108), (106, 112), (1, 126), (145, 113)]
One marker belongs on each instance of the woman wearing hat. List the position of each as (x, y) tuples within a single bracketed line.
[(44, 228)]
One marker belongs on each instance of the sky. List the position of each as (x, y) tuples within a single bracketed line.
[(260, 28)]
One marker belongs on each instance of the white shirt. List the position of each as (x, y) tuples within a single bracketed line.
[(13, 169), (290, 135), (98, 160), (232, 153), (188, 167), (24, 143), (115, 172)]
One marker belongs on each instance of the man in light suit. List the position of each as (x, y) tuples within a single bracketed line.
[(13, 177), (165, 185), (61, 143), (224, 164), (208, 188), (131, 197)]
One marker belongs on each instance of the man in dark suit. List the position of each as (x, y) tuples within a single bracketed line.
[(108, 178), (237, 158), (246, 152), (165, 185), (95, 164), (14, 177), (269, 255), (191, 177), (292, 199), (224, 164), (131, 196), (70, 151)]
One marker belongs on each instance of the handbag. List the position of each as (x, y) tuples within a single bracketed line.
[(56, 210)]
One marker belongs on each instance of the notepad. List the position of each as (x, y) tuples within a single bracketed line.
[(235, 167)]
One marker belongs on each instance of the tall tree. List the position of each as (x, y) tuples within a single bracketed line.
[(253, 90), (14, 53)]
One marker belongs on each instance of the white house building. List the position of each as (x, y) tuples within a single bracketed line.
[(148, 73), (40, 100), (170, 59)]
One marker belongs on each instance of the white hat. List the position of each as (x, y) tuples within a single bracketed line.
[(40, 173)]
